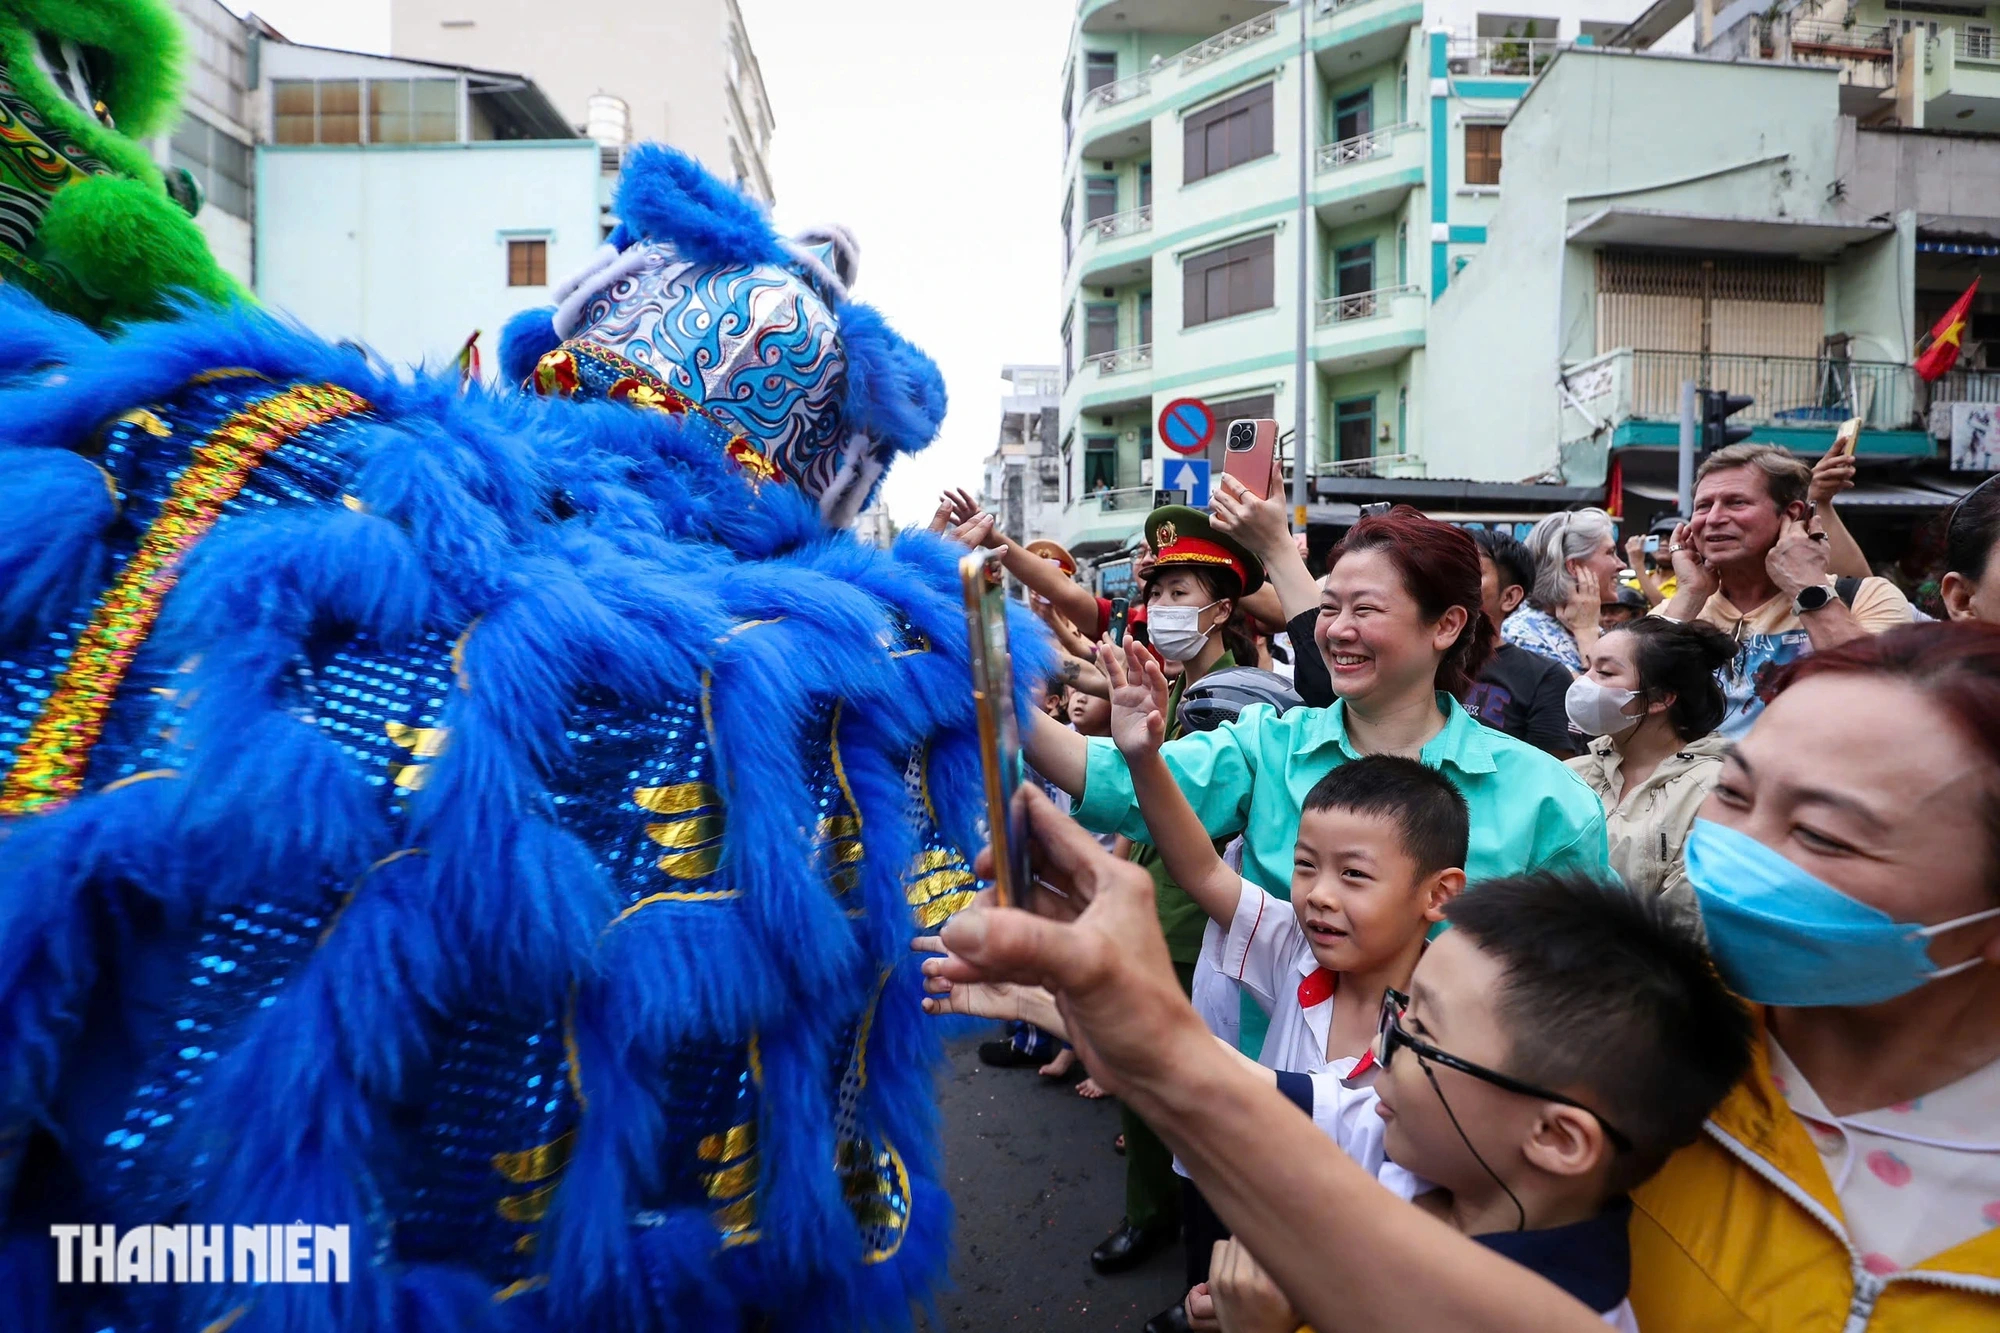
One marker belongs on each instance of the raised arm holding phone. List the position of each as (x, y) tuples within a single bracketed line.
[(1346, 1253)]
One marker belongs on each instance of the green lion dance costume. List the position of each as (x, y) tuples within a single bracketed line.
[(87, 222), (458, 850)]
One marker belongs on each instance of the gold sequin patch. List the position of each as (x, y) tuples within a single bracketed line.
[(536, 1163), (49, 767)]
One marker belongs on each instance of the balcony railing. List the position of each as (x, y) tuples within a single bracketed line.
[(1973, 45), (1372, 466), (1788, 390), (1129, 223), (1503, 57), (1967, 386), (1361, 148), (1220, 45), (1362, 305), (1127, 88), (1816, 39), (1122, 500), (1123, 359), (1328, 7)]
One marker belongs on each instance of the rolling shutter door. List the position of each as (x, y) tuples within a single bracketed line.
[(1745, 306)]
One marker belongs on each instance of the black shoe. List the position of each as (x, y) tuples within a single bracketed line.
[(1173, 1319), (1130, 1246)]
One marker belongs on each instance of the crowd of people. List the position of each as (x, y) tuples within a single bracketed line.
[(1631, 912)]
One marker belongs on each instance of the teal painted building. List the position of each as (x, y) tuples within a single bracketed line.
[(1180, 225)]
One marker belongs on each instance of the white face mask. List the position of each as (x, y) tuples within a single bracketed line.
[(1599, 710), (1175, 631)]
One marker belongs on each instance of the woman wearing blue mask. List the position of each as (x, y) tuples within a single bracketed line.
[(1847, 866)]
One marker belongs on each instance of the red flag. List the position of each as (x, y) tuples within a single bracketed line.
[(1941, 353)]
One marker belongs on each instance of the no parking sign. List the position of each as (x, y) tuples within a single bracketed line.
[(1186, 425)]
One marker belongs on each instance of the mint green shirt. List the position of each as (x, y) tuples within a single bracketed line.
[(1251, 776)]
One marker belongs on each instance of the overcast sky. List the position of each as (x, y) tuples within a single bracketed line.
[(930, 129)]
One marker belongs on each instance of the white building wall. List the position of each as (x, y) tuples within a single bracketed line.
[(679, 65), (403, 248)]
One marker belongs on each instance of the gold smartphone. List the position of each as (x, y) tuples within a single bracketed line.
[(1848, 436), (999, 731)]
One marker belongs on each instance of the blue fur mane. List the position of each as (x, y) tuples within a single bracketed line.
[(588, 548), (664, 195)]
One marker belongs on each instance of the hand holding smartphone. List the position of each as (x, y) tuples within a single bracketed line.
[(1249, 454), (999, 733)]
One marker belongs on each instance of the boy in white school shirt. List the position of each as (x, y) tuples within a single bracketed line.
[(1379, 851), (1380, 847)]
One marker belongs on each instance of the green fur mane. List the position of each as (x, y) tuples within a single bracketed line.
[(118, 247)]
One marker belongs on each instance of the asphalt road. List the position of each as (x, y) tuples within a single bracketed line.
[(1037, 1185)]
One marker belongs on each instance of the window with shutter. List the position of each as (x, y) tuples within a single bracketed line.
[(1482, 154), (1232, 280), (1100, 330), (1227, 134), (1100, 198)]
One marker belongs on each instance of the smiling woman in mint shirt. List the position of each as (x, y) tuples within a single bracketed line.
[(1402, 634)]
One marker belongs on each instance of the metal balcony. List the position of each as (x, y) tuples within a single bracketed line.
[(1361, 148), (1123, 359), (1129, 223), (1361, 305), (1502, 57), (1375, 465), (1220, 45), (1973, 45), (1789, 390), (1124, 90)]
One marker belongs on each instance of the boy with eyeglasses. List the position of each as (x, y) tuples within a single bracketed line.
[(1554, 1048)]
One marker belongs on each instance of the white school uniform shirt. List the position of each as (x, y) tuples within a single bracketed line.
[(1265, 952)]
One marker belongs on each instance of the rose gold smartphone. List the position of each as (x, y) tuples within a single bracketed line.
[(999, 732), (1249, 452)]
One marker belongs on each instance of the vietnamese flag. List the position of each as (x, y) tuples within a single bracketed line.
[(1941, 354)]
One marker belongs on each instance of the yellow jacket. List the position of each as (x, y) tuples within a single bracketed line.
[(1741, 1233)]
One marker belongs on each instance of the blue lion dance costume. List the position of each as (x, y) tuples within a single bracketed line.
[(495, 822)]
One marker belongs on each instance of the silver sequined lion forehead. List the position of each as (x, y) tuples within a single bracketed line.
[(696, 306)]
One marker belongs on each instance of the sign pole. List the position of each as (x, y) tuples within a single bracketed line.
[(1685, 491), (1301, 447)]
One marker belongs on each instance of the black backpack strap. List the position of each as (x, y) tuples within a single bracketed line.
[(1845, 589)]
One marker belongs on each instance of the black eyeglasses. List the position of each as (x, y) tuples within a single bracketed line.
[(1390, 1034)]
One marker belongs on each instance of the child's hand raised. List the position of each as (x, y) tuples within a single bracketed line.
[(1138, 699)]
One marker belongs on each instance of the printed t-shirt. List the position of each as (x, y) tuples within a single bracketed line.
[(1522, 693), (1771, 635)]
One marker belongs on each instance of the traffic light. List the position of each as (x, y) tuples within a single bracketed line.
[(1716, 430)]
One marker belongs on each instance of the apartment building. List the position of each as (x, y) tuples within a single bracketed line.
[(1800, 265), (1182, 236), (406, 204), (1022, 484), (215, 141), (677, 71)]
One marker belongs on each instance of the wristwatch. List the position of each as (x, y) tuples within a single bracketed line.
[(1812, 599)]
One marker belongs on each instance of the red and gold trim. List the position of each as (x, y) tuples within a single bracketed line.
[(49, 767), (557, 375), (1197, 551)]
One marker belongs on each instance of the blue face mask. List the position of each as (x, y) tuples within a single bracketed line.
[(1782, 936)]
